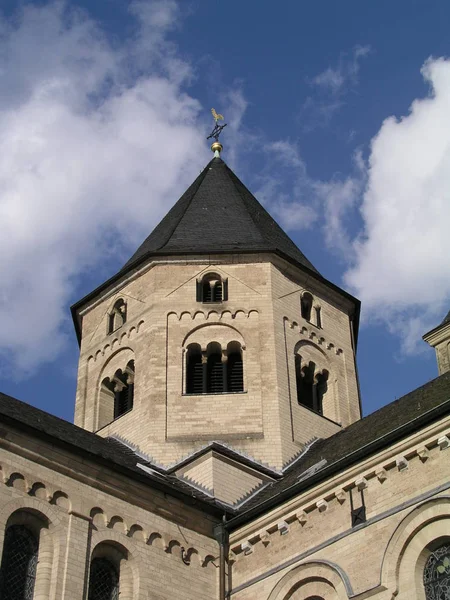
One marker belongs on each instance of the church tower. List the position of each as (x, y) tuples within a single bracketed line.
[(218, 329)]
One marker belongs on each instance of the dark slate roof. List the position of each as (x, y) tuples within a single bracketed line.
[(218, 213), (365, 437), (361, 439), (105, 450), (446, 319)]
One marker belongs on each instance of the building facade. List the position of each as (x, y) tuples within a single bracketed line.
[(218, 449)]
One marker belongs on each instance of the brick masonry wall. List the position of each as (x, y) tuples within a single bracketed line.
[(262, 314), (84, 506)]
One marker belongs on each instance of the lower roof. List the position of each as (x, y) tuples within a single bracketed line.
[(363, 438)]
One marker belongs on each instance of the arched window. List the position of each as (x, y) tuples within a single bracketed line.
[(306, 302), (212, 288), (318, 316), (118, 316), (103, 580), (214, 371), (235, 368), (118, 391), (19, 563), (436, 575), (195, 383), (311, 384)]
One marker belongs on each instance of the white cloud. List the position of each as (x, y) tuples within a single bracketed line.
[(331, 86), (91, 154), (402, 270)]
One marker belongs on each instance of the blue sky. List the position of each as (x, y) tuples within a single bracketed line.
[(338, 121)]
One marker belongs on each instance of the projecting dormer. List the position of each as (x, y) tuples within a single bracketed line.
[(439, 339)]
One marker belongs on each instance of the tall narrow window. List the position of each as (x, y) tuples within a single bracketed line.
[(215, 376), (194, 370), (311, 384), (103, 580), (19, 562), (306, 303), (235, 368), (124, 390), (436, 575), (212, 288), (318, 317), (117, 316)]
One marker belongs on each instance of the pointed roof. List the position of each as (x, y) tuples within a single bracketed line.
[(446, 319), (217, 213)]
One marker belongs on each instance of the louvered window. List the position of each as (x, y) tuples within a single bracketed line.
[(212, 288), (436, 575), (19, 562), (215, 373), (194, 370), (103, 580), (235, 374)]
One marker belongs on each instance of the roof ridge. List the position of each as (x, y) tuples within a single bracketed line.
[(200, 180)]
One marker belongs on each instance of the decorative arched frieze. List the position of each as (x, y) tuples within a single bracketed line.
[(225, 315), (115, 342), (316, 578)]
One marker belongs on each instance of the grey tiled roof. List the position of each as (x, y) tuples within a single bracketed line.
[(365, 437), (217, 213)]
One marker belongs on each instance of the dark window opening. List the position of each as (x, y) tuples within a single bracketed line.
[(213, 372), (194, 370), (19, 562), (118, 316), (306, 303), (235, 371), (103, 580), (121, 387), (212, 288), (311, 386), (318, 317), (436, 574)]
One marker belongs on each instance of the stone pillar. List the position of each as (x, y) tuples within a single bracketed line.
[(78, 550)]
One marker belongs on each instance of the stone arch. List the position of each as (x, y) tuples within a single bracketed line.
[(318, 578), (408, 549), (223, 333), (36, 516), (104, 406), (122, 552), (309, 358)]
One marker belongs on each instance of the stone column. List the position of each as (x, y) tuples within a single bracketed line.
[(78, 550)]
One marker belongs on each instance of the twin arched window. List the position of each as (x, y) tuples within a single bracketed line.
[(19, 563), (215, 371), (311, 384), (118, 316), (119, 392), (212, 288), (309, 312), (436, 575)]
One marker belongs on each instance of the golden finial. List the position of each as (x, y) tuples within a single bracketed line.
[(216, 146)]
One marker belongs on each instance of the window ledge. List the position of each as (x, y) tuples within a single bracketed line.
[(213, 394), (114, 420), (315, 412)]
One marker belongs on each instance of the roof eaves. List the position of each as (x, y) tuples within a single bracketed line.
[(361, 453)]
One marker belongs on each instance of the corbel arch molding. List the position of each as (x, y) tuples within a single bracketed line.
[(109, 367), (316, 578), (406, 551), (314, 349), (130, 565), (51, 539), (217, 332)]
